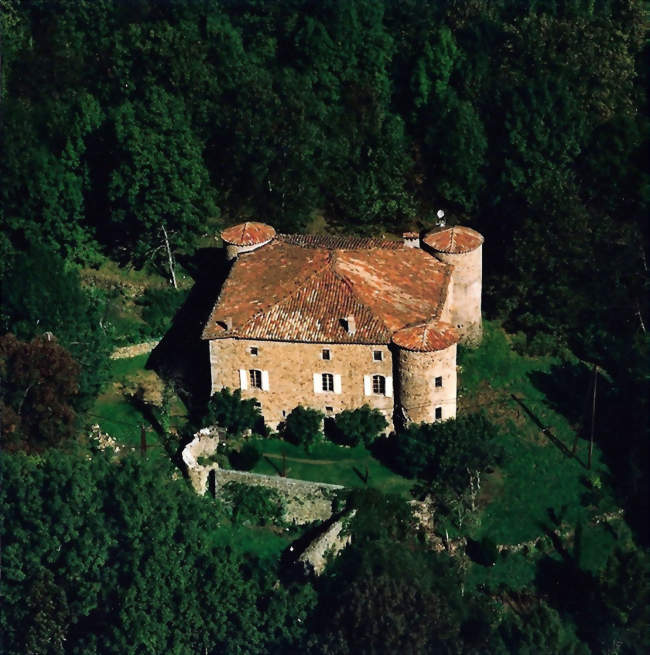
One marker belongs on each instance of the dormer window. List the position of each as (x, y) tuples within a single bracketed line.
[(349, 324)]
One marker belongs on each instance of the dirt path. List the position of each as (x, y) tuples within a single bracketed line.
[(304, 460)]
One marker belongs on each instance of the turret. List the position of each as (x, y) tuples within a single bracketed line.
[(246, 237), (462, 247), (426, 364)]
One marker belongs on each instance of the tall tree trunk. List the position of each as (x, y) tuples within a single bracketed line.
[(169, 257)]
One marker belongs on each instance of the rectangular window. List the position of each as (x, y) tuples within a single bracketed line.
[(329, 411), (326, 354), (379, 385), (328, 382), (438, 413), (439, 381), (255, 377), (377, 355), (254, 351)]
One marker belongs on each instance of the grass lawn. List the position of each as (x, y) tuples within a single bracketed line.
[(330, 463), (538, 479), (117, 415), (265, 543)]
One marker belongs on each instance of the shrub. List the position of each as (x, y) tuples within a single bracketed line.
[(159, 306), (445, 452), (356, 425), (246, 457), (253, 504), (227, 409), (303, 427)]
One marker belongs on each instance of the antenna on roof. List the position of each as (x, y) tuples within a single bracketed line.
[(441, 221)]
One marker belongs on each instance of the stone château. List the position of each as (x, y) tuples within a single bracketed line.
[(336, 322)]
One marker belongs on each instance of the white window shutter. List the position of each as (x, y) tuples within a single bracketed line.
[(243, 378), (367, 385), (337, 383), (265, 381), (318, 383), (389, 386)]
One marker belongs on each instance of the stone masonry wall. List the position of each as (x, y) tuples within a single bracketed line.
[(467, 282), (291, 367), (418, 394), (306, 501)]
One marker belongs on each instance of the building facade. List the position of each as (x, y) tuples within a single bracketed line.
[(334, 323)]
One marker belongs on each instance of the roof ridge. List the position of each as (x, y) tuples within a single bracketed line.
[(289, 294), (350, 286)]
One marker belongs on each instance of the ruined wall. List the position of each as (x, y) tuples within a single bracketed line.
[(465, 307), (418, 394), (291, 368), (306, 501)]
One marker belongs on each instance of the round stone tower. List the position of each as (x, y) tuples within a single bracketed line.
[(426, 364), (463, 248), (246, 237)]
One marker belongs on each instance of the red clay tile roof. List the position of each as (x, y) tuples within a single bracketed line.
[(336, 242), (248, 234), (289, 292), (454, 240), (426, 337)]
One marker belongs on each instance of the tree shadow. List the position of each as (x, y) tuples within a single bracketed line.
[(568, 389), (547, 430), (182, 356), (362, 476)]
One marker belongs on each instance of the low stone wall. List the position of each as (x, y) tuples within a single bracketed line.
[(133, 351), (306, 501)]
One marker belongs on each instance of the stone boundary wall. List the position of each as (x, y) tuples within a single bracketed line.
[(133, 351), (306, 501)]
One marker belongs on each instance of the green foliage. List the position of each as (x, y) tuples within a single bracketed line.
[(246, 457), (115, 555), (253, 505), (354, 426), (159, 307), (303, 427), (447, 453), (40, 293), (227, 409), (539, 630)]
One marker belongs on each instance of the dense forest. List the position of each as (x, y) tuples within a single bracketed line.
[(131, 130)]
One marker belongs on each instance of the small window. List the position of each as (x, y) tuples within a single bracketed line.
[(255, 378), (377, 355), (254, 351), (284, 413), (438, 413), (438, 381), (329, 411), (328, 382), (326, 354), (379, 385)]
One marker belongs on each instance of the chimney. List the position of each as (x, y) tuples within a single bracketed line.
[(350, 324), (411, 239)]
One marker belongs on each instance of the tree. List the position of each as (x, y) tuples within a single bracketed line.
[(159, 190), (451, 455), (227, 409), (39, 385), (303, 427), (352, 426), (111, 555), (41, 294)]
